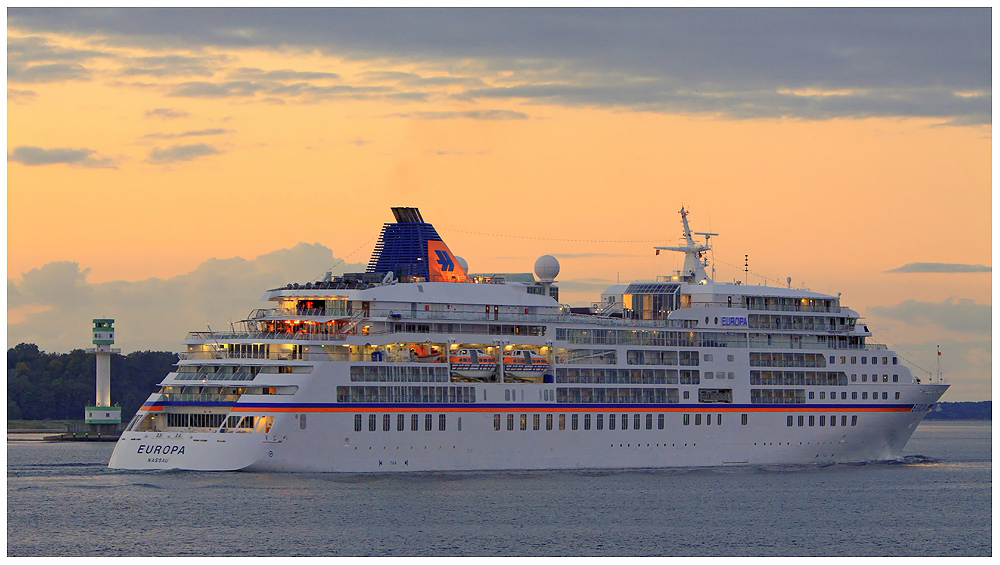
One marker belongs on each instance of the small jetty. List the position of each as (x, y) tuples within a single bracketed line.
[(76, 431)]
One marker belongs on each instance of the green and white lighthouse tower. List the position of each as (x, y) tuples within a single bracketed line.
[(102, 413)]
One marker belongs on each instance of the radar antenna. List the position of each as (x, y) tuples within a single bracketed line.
[(694, 266)]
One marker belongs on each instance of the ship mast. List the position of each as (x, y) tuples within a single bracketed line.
[(694, 266)]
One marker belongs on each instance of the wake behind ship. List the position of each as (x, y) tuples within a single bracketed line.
[(416, 365)]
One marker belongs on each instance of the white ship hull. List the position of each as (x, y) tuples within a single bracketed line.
[(340, 376)]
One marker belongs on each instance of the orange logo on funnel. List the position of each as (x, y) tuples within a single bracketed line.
[(441, 264)]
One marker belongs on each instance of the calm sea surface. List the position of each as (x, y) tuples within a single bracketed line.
[(63, 500)]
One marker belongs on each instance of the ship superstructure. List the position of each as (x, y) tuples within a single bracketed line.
[(417, 365)]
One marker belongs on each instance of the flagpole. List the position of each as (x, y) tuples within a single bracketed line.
[(939, 363)]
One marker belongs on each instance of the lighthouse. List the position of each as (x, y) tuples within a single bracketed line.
[(102, 416)]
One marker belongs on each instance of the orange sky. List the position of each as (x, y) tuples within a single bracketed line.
[(832, 203)]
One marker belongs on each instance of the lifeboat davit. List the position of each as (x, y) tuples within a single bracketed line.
[(425, 354), (472, 363), (524, 363)]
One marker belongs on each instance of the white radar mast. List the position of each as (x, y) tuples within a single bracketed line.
[(694, 264)]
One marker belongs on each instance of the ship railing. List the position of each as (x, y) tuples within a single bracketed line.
[(187, 397), (209, 337), (262, 313)]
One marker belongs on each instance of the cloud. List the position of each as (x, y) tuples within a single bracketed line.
[(21, 96), (467, 115), (37, 156), (941, 268), (166, 113), (48, 72), (359, 142), (38, 49), (955, 314), (58, 303), (211, 131), (740, 62), (413, 79), (172, 65), (282, 75), (212, 90), (178, 153)]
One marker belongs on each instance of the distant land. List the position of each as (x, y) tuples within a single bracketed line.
[(57, 386), (982, 410)]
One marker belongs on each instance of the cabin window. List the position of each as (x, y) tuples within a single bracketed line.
[(897, 396), (885, 396), (562, 421), (697, 419), (718, 419), (822, 421), (524, 422), (812, 420), (548, 421), (496, 422), (687, 419), (536, 422), (864, 396), (659, 421), (459, 423), (576, 421), (854, 378), (854, 395), (428, 422), (586, 421), (832, 360), (386, 422), (788, 421), (612, 421), (895, 378), (854, 420), (801, 421), (400, 422), (600, 421), (893, 360), (510, 422), (442, 420), (743, 420), (371, 422), (649, 421), (357, 422), (833, 420), (415, 422), (843, 420)]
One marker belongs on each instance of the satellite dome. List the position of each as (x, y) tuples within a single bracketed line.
[(464, 265), (547, 268)]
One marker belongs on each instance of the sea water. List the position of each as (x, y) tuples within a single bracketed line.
[(62, 500)]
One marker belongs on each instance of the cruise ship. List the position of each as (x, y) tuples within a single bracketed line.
[(418, 365)]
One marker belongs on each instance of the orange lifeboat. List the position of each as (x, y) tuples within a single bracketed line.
[(472, 363), (524, 363), (425, 354)]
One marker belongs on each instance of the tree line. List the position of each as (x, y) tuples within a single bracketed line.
[(57, 386)]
